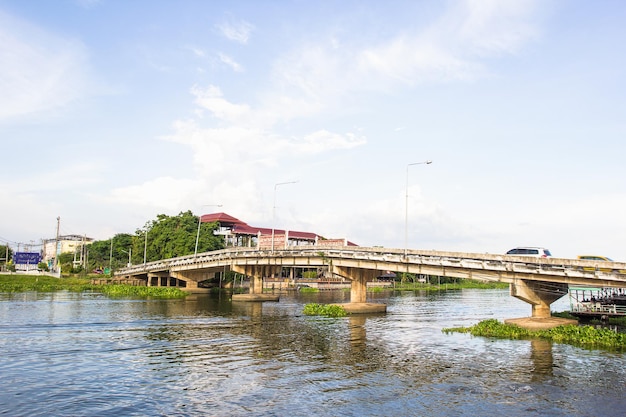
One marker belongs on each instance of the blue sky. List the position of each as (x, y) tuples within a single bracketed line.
[(112, 112)]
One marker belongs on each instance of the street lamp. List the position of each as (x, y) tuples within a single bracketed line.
[(406, 206), (274, 208), (195, 252), (130, 251), (145, 248)]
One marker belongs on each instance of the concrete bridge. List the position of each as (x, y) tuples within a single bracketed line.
[(537, 281)]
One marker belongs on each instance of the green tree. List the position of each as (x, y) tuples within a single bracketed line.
[(3, 254), (66, 261), (172, 236), (167, 237), (111, 253)]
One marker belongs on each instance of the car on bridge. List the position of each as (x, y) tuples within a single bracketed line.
[(597, 258), (530, 251)]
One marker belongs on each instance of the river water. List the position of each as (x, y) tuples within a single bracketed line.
[(66, 354)]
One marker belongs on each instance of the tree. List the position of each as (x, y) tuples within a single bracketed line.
[(66, 261), (110, 253), (167, 237), (3, 253)]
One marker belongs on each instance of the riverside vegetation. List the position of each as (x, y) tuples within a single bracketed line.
[(24, 283)]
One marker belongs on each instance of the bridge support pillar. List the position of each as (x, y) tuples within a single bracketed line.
[(538, 294), (190, 280), (256, 274), (358, 290)]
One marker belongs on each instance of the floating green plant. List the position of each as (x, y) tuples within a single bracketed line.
[(328, 310), (583, 336)]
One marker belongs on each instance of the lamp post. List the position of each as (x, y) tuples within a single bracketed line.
[(130, 251), (195, 252), (406, 206), (145, 248), (274, 208)]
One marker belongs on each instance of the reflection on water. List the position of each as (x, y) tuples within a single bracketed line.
[(83, 354), (541, 358)]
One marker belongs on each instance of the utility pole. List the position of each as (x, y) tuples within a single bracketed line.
[(56, 244)]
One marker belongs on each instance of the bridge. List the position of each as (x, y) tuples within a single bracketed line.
[(537, 281)]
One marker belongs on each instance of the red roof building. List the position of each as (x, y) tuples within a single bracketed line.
[(239, 233)]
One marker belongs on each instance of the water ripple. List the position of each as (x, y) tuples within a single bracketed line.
[(75, 355)]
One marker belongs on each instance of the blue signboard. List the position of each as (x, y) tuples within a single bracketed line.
[(26, 258)]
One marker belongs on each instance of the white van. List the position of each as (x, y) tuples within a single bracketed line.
[(530, 251)]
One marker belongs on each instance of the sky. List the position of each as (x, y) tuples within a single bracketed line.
[(318, 117)]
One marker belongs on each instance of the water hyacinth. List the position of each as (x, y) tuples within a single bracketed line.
[(22, 283), (42, 283), (582, 336), (328, 310), (123, 290)]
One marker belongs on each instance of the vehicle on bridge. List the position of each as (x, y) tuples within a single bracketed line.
[(530, 251), (595, 258), (599, 258)]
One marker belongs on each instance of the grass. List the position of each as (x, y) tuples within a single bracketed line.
[(328, 310), (582, 336), (24, 283)]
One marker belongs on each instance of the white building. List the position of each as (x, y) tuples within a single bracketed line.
[(66, 244)]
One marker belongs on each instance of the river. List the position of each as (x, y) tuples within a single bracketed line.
[(67, 354)]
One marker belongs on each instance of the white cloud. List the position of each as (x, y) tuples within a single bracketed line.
[(235, 149), (162, 192), (316, 78), (492, 26), (324, 140), (411, 60), (40, 70), (238, 32), (211, 98), (225, 59), (450, 49)]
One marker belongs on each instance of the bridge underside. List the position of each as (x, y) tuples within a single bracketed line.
[(358, 294), (538, 294)]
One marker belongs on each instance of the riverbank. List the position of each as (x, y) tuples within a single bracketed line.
[(24, 283), (42, 283)]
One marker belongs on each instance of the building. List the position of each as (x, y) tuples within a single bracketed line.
[(65, 244), (239, 233)]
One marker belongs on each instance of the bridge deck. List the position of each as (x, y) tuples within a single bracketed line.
[(486, 267)]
